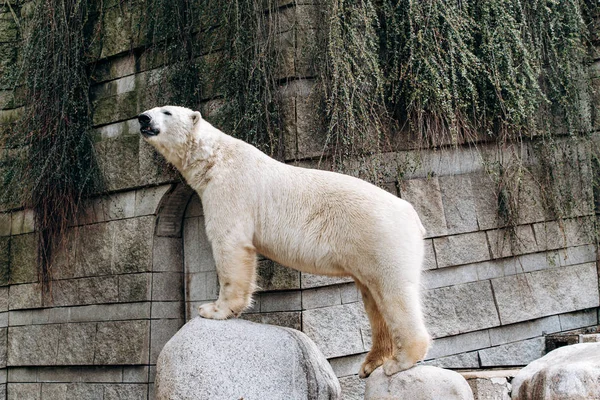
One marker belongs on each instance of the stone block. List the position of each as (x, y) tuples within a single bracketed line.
[(578, 319), (22, 374), (135, 287), (429, 261), (76, 344), (459, 204), (524, 330), (461, 249), (338, 330), (462, 308), (28, 295), (80, 374), (458, 361), (98, 290), (87, 391), (4, 298), (161, 331), (118, 159), (450, 276), (491, 388), (122, 342), (123, 391), (426, 197), (135, 374), (310, 281), (23, 258), (5, 224), (108, 312), (132, 241), (106, 70), (513, 354), (4, 260), (147, 200), (505, 243), (120, 205), (167, 286), (349, 293), (194, 207), (3, 348), (202, 286), (321, 297), (22, 391), (54, 391), (167, 254), (486, 200), (571, 232), (167, 309), (33, 345), (274, 276), (288, 319), (198, 252), (463, 343), (552, 291), (347, 365), (281, 301), (353, 388)]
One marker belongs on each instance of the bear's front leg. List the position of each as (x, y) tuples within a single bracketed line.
[(236, 269)]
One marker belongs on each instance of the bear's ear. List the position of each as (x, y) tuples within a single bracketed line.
[(196, 116)]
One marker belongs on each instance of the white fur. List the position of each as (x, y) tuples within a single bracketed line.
[(310, 220)]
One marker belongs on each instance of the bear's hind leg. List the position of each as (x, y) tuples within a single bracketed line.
[(382, 347), (236, 269), (401, 309)]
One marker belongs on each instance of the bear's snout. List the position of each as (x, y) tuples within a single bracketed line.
[(145, 125)]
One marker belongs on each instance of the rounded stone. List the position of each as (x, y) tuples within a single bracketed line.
[(567, 373), (235, 359), (422, 382)]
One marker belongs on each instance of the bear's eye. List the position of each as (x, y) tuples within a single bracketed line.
[(167, 113)]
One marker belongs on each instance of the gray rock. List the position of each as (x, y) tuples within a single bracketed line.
[(209, 359), (422, 382), (567, 373)]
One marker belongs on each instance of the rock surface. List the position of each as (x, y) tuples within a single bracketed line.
[(567, 373), (422, 382), (235, 359)]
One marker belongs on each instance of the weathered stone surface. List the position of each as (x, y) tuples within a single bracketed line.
[(449, 276), (167, 286), (513, 354), (486, 201), (167, 254), (578, 319), (122, 342), (459, 204), (461, 308), (338, 330), (546, 292), (287, 319), (311, 281), (4, 260), (136, 287), (504, 244), (281, 301), (76, 344), (418, 383), (121, 392), (118, 159), (570, 372), (239, 359), (571, 232), (458, 361), (115, 247), (461, 249), (147, 200), (524, 330), (429, 261), (18, 391), (425, 195), (490, 388), (161, 331), (23, 258), (25, 296), (353, 388), (273, 276), (321, 297), (198, 252), (202, 286), (33, 345), (458, 344), (5, 224)]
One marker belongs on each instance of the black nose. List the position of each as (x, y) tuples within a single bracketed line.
[(143, 118)]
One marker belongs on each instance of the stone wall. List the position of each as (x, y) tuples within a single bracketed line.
[(139, 263)]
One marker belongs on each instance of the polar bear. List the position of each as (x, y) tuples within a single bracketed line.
[(314, 221)]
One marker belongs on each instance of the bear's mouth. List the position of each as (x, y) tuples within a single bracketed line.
[(148, 131)]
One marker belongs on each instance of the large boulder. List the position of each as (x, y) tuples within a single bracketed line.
[(422, 382), (567, 373), (237, 359)]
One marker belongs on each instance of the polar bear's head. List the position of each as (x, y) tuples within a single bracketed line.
[(173, 132)]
